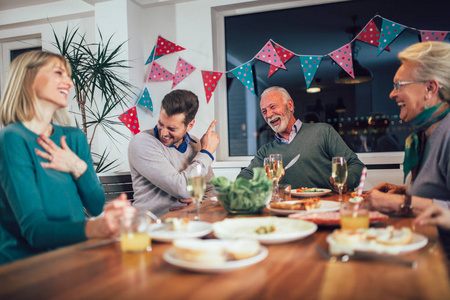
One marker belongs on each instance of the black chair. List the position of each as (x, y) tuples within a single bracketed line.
[(115, 184)]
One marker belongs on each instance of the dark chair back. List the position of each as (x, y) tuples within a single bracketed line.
[(115, 184)]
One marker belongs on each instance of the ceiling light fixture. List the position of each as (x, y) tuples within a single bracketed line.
[(313, 90)]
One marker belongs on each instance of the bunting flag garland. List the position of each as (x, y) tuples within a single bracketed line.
[(145, 100), (310, 64), (428, 35), (183, 70), (343, 57), (269, 55), (164, 46), (130, 119), (245, 75), (370, 35), (284, 54), (275, 55), (210, 82), (389, 31), (152, 56), (158, 73)]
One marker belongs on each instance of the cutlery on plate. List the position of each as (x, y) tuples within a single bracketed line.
[(363, 255), (292, 162)]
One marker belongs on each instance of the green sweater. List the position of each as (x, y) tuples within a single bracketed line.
[(42, 209), (317, 144)]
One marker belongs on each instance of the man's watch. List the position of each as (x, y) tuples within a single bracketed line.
[(406, 208)]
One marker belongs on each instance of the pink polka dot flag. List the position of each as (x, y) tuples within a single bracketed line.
[(210, 82), (284, 54), (389, 31), (145, 100), (130, 119), (152, 56), (310, 65), (428, 35), (158, 73), (164, 47), (183, 70), (370, 35), (269, 55), (245, 75), (343, 57)]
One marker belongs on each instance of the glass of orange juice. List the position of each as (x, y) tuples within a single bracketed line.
[(352, 218), (134, 237)]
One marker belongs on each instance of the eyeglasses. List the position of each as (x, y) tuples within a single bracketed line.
[(399, 84)]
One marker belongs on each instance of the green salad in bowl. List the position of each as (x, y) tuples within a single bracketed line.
[(244, 196)]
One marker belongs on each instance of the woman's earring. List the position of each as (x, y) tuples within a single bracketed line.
[(426, 106)]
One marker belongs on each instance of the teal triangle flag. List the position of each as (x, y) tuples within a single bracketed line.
[(145, 100), (389, 31), (245, 75)]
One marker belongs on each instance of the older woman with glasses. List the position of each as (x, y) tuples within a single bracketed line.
[(46, 171), (422, 91)]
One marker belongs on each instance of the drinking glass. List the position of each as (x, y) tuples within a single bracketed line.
[(339, 173), (354, 217), (196, 186), (276, 170), (134, 237)]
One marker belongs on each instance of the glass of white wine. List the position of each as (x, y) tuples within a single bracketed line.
[(196, 175), (276, 171), (267, 167), (339, 173)]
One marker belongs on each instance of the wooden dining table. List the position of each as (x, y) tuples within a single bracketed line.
[(293, 270)]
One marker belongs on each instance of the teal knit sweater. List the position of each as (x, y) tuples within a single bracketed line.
[(42, 209), (317, 144)]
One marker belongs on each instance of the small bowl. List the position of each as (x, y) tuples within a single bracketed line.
[(262, 200)]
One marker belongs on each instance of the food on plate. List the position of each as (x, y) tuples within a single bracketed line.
[(373, 239), (265, 229), (242, 249), (306, 204), (244, 194), (333, 217), (197, 250), (178, 224), (309, 190), (215, 251)]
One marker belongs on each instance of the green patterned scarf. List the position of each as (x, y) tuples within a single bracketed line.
[(413, 147)]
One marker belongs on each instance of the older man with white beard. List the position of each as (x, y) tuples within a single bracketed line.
[(316, 143)]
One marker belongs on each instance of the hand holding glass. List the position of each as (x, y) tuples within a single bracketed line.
[(339, 173), (196, 186)]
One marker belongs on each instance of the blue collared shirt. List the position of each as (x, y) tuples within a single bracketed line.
[(292, 135), (183, 146)]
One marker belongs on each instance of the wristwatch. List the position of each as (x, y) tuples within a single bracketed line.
[(406, 208)]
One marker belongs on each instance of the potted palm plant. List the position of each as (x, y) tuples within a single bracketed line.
[(99, 88)]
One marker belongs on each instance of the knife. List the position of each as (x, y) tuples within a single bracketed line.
[(293, 161)]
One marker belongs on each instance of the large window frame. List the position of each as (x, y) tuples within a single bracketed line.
[(218, 15)]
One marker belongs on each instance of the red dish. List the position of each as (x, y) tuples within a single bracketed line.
[(333, 217)]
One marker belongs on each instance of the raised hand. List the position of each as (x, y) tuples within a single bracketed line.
[(210, 140), (60, 158)]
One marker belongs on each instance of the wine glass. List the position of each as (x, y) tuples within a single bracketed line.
[(339, 173), (276, 170), (196, 175)]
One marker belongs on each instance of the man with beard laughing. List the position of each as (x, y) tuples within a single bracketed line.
[(159, 157), (316, 143)]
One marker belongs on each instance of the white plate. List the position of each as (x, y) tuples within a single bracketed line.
[(171, 257), (286, 230), (310, 194), (326, 205), (417, 242), (162, 233)]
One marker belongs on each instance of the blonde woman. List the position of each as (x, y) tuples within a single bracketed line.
[(46, 171)]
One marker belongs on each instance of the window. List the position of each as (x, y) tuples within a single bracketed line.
[(362, 113)]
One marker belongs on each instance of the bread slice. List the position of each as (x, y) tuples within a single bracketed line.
[(202, 251), (306, 204), (349, 237), (242, 249), (178, 224), (395, 237)]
